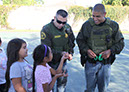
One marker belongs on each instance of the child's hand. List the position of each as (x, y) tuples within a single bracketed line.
[(61, 74), (65, 56), (65, 74)]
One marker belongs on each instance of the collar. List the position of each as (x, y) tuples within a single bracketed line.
[(102, 23)]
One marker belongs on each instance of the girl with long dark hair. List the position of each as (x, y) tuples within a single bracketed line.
[(19, 72)]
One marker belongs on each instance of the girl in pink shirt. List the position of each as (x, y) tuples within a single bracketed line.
[(42, 71)]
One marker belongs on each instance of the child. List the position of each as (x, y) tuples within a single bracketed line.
[(42, 74), (19, 72), (3, 61)]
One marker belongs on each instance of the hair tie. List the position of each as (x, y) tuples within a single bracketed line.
[(45, 50)]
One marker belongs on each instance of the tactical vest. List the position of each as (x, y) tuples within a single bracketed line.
[(100, 36), (59, 39)]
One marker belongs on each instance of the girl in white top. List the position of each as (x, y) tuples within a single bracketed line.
[(42, 71), (3, 61)]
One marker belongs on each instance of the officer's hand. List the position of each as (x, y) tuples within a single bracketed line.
[(106, 54), (64, 52), (91, 54), (70, 57)]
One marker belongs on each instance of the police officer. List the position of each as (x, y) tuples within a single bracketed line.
[(59, 36), (99, 40)]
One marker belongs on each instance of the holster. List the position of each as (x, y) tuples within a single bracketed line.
[(112, 58), (83, 59)]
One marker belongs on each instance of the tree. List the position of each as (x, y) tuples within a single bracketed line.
[(22, 2), (125, 2), (116, 2), (105, 2)]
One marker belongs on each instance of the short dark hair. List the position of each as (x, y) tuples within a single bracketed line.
[(99, 8), (62, 12)]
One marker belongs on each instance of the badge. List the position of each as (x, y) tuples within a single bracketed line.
[(57, 36), (43, 35), (66, 35)]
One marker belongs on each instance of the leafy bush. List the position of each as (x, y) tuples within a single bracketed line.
[(116, 13), (116, 2), (80, 12), (125, 2), (4, 10), (8, 5), (23, 2)]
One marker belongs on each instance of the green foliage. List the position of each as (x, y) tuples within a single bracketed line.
[(106, 2), (8, 5), (125, 2), (4, 10), (22, 2), (6, 1), (40, 2), (116, 13), (116, 2), (80, 12)]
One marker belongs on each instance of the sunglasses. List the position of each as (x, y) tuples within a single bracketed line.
[(60, 22)]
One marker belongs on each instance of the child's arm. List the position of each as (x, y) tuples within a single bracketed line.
[(48, 87), (59, 69), (17, 85)]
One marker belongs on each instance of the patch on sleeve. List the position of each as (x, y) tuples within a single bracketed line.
[(43, 35), (66, 35)]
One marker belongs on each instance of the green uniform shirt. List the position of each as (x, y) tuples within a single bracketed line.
[(85, 33), (58, 40)]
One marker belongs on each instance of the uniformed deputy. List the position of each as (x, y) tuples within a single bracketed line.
[(99, 40), (59, 36)]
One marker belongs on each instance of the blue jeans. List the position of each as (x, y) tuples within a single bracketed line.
[(61, 81), (97, 75)]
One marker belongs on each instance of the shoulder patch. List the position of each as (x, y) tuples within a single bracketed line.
[(43, 35)]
